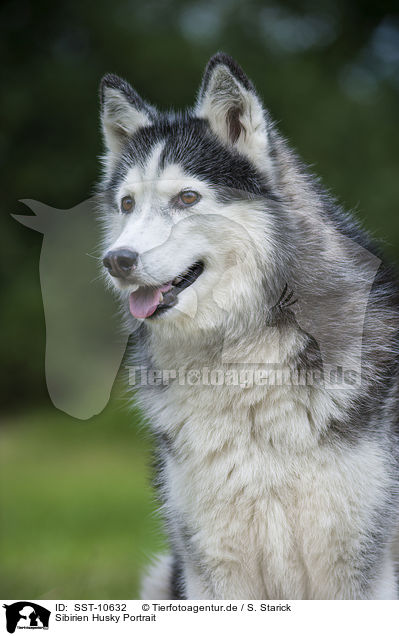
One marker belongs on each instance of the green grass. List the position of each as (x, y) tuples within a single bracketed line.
[(77, 507)]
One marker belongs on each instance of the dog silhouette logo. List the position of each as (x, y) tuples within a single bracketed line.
[(26, 615), (84, 340)]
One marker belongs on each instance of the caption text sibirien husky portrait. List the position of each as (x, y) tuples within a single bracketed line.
[(266, 342)]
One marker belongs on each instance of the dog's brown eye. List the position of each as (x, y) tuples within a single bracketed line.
[(127, 204), (189, 197)]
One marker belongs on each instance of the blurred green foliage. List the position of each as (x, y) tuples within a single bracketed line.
[(75, 502), (76, 506)]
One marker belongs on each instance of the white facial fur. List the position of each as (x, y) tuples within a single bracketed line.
[(170, 240)]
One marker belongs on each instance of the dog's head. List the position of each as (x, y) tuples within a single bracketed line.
[(188, 198)]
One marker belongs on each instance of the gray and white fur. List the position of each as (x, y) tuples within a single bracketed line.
[(278, 491)]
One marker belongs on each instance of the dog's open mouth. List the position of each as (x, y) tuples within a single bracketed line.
[(152, 301)]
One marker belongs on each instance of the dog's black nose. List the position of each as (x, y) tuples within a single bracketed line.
[(120, 263)]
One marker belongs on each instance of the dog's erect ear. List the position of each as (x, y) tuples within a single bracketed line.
[(228, 100), (122, 111)]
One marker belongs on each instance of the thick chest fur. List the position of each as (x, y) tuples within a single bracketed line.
[(255, 498)]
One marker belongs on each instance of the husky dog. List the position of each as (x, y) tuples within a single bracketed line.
[(233, 259)]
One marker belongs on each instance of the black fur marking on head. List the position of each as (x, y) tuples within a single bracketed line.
[(190, 143)]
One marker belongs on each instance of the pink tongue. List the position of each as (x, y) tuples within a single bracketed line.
[(144, 301)]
